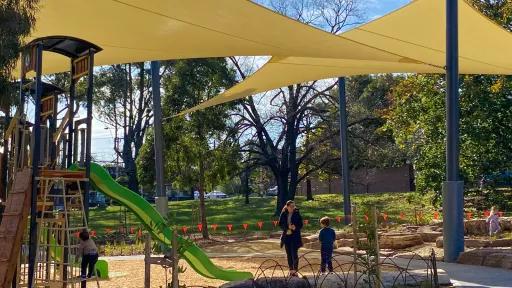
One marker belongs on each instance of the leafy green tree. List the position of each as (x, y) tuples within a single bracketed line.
[(200, 149), (417, 120), (17, 17)]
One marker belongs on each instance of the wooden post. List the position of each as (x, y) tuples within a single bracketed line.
[(175, 260), (147, 262), (375, 227), (355, 240)]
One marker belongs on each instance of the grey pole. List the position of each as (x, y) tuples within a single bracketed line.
[(453, 188), (161, 197), (88, 138), (36, 133), (345, 170)]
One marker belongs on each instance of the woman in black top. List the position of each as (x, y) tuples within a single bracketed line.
[(290, 222)]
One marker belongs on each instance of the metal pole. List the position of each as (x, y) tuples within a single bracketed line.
[(345, 170), (453, 189), (35, 168), (161, 198), (71, 109), (90, 78)]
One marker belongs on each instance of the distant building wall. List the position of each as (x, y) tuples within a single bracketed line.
[(373, 180)]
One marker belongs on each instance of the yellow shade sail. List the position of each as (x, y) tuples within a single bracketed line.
[(416, 31), (142, 30)]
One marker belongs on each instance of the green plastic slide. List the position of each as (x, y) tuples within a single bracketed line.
[(158, 228)]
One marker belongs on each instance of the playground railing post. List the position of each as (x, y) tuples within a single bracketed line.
[(147, 261), (355, 239), (175, 259), (375, 227)]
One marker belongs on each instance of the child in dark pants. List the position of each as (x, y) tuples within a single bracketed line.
[(89, 253), (327, 236)]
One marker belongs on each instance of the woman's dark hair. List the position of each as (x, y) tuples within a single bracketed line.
[(84, 235)]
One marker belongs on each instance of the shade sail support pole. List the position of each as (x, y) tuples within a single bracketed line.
[(345, 169), (161, 197), (453, 188)]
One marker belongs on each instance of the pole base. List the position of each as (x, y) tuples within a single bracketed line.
[(162, 205), (453, 220)]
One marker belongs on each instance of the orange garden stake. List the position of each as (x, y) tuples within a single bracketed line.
[(214, 226), (260, 224), (469, 215), (385, 217), (245, 225), (230, 227), (365, 218), (132, 230), (402, 216), (436, 215), (338, 219), (139, 234), (93, 233), (275, 222), (184, 229), (200, 227)]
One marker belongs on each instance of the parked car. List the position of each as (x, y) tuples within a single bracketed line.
[(180, 197), (272, 191), (196, 195), (216, 195)]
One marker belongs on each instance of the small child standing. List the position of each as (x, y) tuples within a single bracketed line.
[(327, 236), (494, 222), (89, 252)]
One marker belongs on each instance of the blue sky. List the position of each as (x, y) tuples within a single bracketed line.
[(376, 8), (103, 139)]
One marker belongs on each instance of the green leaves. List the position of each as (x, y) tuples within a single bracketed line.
[(417, 120), (201, 137)]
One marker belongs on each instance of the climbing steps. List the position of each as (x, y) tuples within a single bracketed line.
[(13, 226)]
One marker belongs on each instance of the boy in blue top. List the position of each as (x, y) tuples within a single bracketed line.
[(327, 236)]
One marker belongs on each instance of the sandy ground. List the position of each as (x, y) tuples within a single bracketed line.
[(128, 272)]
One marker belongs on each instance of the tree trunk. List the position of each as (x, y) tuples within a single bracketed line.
[(245, 184), (309, 193), (131, 171), (282, 192), (202, 206)]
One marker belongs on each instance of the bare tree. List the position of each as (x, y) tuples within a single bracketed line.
[(272, 134)]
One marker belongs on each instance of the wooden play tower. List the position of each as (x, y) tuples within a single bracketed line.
[(47, 205)]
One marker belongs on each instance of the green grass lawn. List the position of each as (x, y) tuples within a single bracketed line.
[(234, 211)]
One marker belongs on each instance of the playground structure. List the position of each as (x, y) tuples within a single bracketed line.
[(55, 199), (52, 156)]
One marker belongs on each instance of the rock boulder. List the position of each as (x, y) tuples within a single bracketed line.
[(399, 240)]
